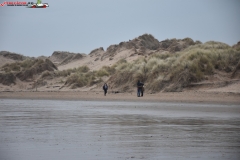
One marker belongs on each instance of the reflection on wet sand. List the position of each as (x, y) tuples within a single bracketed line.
[(45, 129)]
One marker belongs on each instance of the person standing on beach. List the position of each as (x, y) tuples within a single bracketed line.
[(139, 88), (105, 88), (142, 90)]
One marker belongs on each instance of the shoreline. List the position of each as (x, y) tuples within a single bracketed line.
[(179, 97)]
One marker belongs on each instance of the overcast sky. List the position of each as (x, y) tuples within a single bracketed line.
[(83, 25)]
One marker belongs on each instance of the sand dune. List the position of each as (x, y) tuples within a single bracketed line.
[(170, 65)]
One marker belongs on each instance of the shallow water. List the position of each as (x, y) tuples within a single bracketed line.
[(50, 129)]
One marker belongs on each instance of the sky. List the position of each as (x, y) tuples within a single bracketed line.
[(81, 26)]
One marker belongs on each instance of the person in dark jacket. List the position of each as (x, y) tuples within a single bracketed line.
[(139, 88), (105, 88), (142, 90)]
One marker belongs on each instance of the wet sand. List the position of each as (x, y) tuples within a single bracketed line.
[(63, 129)]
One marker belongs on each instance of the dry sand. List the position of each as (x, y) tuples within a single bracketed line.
[(94, 64), (188, 96)]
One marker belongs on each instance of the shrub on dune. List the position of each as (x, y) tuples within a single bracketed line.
[(45, 74), (77, 79), (110, 70), (63, 73), (102, 72), (27, 63), (83, 69)]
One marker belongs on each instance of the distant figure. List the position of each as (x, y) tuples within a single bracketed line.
[(105, 88), (140, 88)]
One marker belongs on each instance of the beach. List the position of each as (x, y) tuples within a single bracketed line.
[(56, 125), (189, 96)]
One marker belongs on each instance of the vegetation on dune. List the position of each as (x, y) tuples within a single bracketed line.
[(26, 64), (81, 76), (27, 69), (11, 67), (46, 74), (38, 66), (161, 71), (7, 78), (173, 72)]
